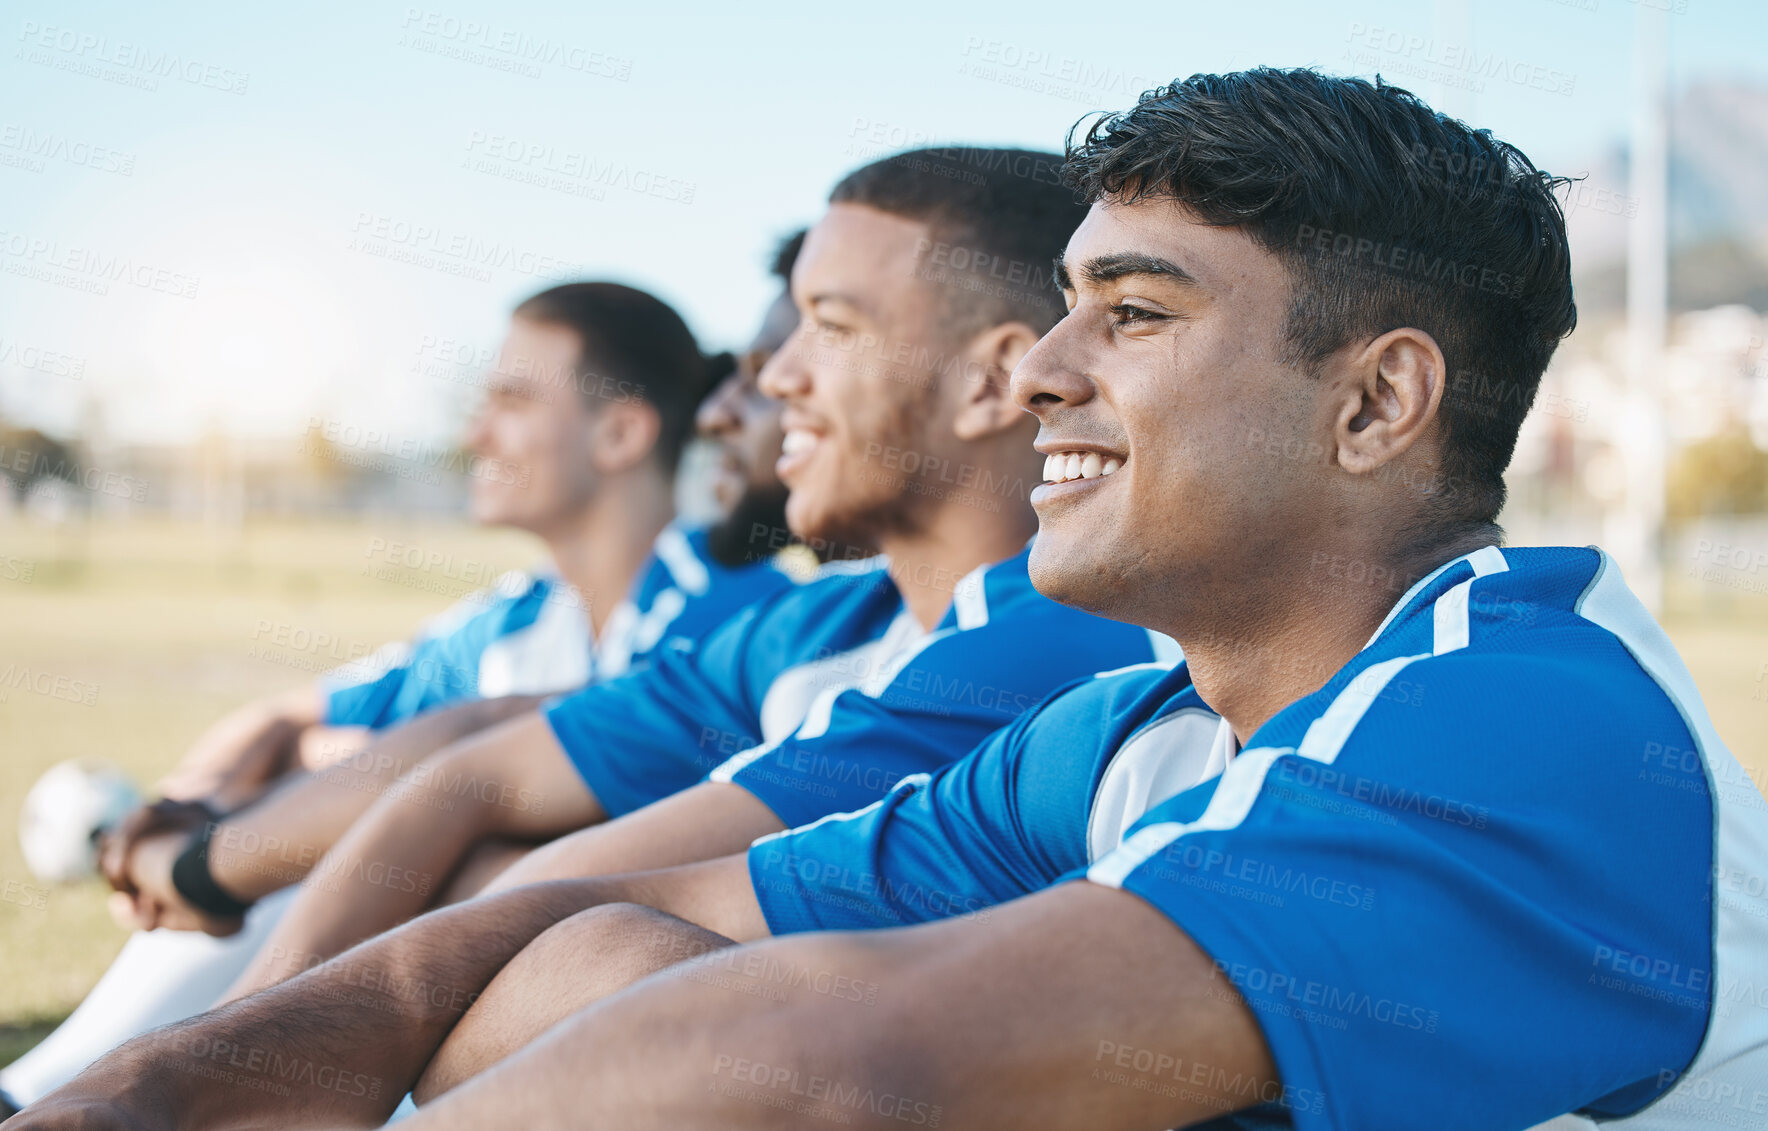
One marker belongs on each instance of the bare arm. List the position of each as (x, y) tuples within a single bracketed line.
[(509, 780), (309, 814), (246, 749), (1007, 1021), (709, 820), (371, 1017), (277, 840)]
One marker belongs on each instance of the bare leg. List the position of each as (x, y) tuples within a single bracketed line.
[(335, 1047), (321, 747), (581, 960), (511, 780), (487, 860), (1001, 1022), (338, 1045)]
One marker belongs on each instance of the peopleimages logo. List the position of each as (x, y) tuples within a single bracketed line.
[(1271, 987), (117, 60), (1457, 60), (36, 147), (87, 269)]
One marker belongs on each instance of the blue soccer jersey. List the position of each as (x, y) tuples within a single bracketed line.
[(824, 697), (530, 635), (1497, 869)]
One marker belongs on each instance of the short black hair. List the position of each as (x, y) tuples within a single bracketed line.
[(1386, 214), (998, 218), (785, 256), (634, 344)]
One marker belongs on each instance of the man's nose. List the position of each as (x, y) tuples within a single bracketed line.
[(786, 375), (1051, 373)]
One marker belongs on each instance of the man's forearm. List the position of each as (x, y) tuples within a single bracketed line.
[(342, 1042), (1077, 973), (704, 822), (277, 840), (507, 780), (247, 747)]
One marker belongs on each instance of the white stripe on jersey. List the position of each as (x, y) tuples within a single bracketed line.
[(1727, 1085), (910, 781), (1731, 1069), (802, 700), (1165, 758), (1244, 779), (550, 654), (685, 567)]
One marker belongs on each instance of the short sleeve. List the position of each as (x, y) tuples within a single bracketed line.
[(401, 681), (657, 731), (1001, 822), (857, 742), (1463, 906)]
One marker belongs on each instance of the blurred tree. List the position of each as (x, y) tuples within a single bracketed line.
[(28, 456), (1723, 474)]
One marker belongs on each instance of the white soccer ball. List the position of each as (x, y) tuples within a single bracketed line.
[(64, 813)]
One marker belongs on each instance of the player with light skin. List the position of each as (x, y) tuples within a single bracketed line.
[(238, 756), (744, 423), (1180, 359), (581, 454), (563, 433), (597, 489)]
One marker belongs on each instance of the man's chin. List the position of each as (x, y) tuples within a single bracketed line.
[(505, 514), (1066, 576), (753, 527), (837, 536)]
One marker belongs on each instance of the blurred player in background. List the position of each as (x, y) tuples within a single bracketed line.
[(899, 437), (1426, 856), (583, 423), (744, 426)]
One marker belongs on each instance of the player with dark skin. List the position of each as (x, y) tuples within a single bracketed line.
[(1172, 390), (855, 276), (1176, 349), (1176, 412)]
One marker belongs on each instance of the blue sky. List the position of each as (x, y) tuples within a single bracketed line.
[(292, 212)]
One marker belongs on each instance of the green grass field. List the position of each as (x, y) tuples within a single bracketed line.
[(175, 624), (171, 622)]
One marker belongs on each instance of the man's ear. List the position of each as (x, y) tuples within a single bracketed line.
[(987, 406), (1387, 397), (622, 434)]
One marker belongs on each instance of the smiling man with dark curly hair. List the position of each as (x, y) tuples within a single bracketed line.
[(1424, 832)]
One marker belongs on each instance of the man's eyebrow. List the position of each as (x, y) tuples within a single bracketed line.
[(1118, 265), (837, 296)]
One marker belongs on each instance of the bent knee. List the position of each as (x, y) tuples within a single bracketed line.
[(627, 939)]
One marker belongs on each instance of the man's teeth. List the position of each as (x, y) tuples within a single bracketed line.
[(1063, 466), (797, 440)]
